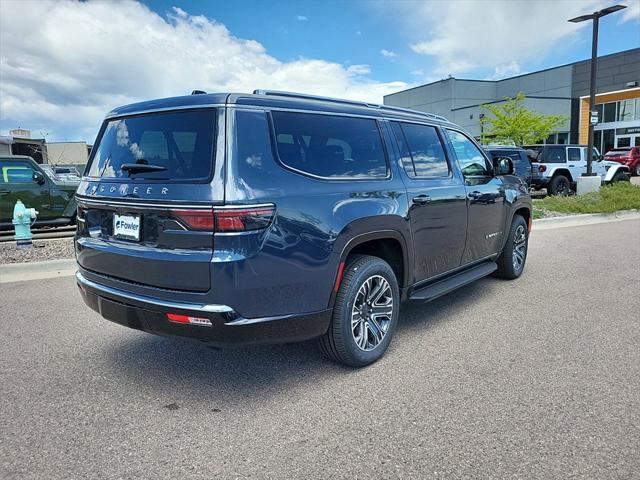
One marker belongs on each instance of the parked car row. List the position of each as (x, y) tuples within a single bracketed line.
[(556, 168)]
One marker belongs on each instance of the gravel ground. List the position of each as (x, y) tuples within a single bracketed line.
[(42, 250), (538, 378)]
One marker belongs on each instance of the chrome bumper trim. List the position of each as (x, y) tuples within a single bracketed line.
[(195, 307)]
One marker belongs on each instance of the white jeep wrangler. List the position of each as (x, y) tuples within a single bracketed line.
[(557, 167)]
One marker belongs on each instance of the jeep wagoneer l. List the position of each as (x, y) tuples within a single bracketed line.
[(277, 217)]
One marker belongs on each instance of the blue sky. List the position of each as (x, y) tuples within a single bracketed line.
[(355, 32), (59, 82)]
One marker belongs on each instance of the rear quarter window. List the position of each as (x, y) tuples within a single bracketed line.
[(329, 146), (553, 155), (180, 142)]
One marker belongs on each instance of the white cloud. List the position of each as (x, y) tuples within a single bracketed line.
[(468, 34), (302, 18), (631, 13), (506, 70), (88, 57), (388, 53)]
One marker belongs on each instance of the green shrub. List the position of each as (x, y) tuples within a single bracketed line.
[(610, 198)]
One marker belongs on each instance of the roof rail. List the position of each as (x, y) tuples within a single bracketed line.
[(349, 102), (415, 112)]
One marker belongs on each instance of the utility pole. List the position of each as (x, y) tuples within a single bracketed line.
[(595, 17)]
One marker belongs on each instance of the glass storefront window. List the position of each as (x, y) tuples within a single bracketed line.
[(597, 139), (609, 112), (626, 110), (624, 141), (608, 138), (637, 108), (563, 137)]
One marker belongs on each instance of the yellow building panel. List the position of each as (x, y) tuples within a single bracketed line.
[(583, 123)]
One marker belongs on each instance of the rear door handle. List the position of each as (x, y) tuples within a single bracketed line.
[(421, 199)]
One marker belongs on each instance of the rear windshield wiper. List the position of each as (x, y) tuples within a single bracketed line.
[(141, 167)]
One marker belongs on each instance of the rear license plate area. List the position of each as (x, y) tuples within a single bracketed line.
[(126, 227)]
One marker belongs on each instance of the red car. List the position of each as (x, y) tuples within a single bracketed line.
[(629, 156)]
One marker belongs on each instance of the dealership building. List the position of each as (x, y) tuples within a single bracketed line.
[(562, 90)]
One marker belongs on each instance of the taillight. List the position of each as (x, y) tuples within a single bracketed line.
[(542, 168), (243, 219), (226, 219), (195, 219)]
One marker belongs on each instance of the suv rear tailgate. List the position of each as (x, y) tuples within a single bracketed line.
[(145, 204), (167, 255)]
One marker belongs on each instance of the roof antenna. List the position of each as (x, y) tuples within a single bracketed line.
[(198, 92)]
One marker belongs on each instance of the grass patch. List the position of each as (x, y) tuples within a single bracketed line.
[(610, 198)]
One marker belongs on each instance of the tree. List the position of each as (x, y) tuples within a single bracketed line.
[(513, 122)]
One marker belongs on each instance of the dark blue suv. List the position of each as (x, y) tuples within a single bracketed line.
[(277, 217)]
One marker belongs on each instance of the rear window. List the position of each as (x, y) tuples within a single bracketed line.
[(180, 144), (329, 146)]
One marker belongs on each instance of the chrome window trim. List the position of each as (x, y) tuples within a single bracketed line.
[(109, 201)]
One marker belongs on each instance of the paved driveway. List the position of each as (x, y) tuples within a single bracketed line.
[(537, 378)]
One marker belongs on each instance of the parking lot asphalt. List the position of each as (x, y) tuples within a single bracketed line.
[(535, 378)]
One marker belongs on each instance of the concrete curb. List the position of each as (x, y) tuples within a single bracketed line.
[(19, 272), (584, 219)]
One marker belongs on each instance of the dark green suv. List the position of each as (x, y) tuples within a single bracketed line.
[(21, 178)]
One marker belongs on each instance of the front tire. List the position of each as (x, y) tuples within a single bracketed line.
[(514, 255), (620, 177), (365, 313), (637, 169)]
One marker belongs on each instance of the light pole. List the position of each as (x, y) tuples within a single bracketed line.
[(595, 16)]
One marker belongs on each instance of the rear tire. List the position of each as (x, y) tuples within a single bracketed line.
[(514, 254), (559, 185), (365, 313)]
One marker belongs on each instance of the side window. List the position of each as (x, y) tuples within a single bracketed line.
[(329, 146), (421, 151), (573, 154), (554, 155), (472, 162), (16, 172), (405, 156)]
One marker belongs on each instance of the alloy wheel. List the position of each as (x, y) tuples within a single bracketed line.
[(519, 248), (372, 312)]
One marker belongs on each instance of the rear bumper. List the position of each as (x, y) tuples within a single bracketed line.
[(540, 182), (227, 328)]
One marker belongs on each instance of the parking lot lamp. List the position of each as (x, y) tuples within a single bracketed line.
[(595, 16)]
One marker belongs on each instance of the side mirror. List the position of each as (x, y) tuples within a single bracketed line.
[(38, 178), (503, 166)]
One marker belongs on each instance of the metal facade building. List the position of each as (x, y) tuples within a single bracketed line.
[(555, 90)]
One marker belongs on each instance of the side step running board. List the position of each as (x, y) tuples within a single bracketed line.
[(446, 285)]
